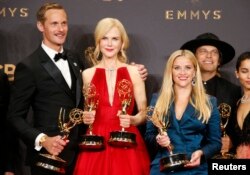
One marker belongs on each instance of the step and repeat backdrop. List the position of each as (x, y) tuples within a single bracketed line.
[(156, 28)]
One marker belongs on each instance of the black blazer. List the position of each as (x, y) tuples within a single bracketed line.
[(225, 92), (40, 85), (4, 147), (4, 98)]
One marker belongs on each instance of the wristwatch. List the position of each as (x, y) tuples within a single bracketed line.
[(42, 139)]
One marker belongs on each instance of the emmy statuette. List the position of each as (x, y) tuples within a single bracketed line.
[(175, 160), (91, 141), (123, 138), (225, 112), (52, 162)]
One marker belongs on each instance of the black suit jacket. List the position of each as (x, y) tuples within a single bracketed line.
[(40, 85), (4, 100), (225, 92)]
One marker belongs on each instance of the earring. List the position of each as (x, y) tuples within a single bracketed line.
[(193, 82)]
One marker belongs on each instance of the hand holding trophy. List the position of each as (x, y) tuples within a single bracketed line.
[(173, 161), (123, 138), (225, 112), (53, 162), (91, 141)]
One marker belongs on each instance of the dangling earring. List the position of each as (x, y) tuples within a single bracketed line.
[(193, 81)]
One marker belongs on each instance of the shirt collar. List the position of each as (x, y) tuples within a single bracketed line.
[(50, 52)]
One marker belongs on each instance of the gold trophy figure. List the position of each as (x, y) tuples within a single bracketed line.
[(123, 138), (225, 112), (91, 141), (52, 162), (173, 161)]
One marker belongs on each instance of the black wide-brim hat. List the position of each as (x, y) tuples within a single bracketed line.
[(227, 51)]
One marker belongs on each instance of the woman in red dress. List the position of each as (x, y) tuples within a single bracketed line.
[(109, 70)]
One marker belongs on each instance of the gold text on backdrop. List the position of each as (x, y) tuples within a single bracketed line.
[(193, 15), (14, 12)]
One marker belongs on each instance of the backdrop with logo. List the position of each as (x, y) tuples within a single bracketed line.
[(156, 28)]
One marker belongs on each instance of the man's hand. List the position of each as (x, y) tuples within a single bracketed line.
[(142, 70), (54, 145)]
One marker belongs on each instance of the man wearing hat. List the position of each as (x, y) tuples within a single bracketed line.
[(212, 53)]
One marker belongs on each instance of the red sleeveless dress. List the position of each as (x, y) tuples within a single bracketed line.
[(112, 160)]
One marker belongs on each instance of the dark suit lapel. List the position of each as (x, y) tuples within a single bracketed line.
[(77, 73), (53, 71)]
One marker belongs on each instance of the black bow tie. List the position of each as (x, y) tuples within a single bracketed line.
[(59, 56)]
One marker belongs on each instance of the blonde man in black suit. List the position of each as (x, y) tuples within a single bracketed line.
[(46, 84)]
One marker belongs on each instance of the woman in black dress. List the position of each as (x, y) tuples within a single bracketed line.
[(241, 139)]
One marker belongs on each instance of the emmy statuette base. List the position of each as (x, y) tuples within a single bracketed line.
[(91, 143), (122, 139), (52, 163), (173, 162)]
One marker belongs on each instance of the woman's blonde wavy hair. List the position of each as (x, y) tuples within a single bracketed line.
[(199, 99), (93, 54)]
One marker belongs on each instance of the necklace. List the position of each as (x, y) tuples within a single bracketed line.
[(111, 74), (244, 99), (110, 70)]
